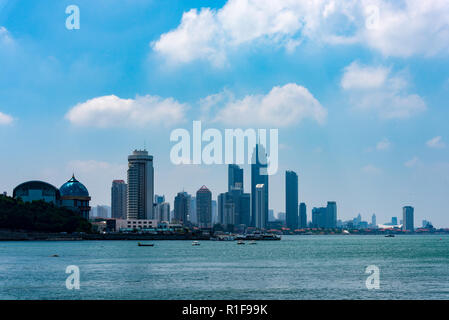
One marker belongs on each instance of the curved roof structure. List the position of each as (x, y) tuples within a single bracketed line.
[(47, 189), (73, 188)]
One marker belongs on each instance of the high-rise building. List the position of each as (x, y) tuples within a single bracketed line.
[(245, 209), (331, 215), (407, 218), (260, 219), (259, 175), (192, 210), (394, 221), (102, 212), (291, 199), (162, 211), (373, 221), (118, 199), (140, 185), (204, 207), (235, 177), (271, 215), (182, 206), (159, 199), (302, 223), (214, 212)]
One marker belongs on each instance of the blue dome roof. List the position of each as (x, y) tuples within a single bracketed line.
[(73, 188)]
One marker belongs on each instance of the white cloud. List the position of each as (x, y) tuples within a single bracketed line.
[(282, 106), (412, 162), (5, 37), (377, 88), (394, 29), (370, 169), (383, 145), (436, 142), (5, 119), (109, 111)]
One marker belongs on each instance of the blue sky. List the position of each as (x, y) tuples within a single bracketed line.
[(81, 100)]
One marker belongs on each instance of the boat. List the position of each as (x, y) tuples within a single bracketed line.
[(240, 242), (389, 236), (253, 242), (145, 244), (195, 243)]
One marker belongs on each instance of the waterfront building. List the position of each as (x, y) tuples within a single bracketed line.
[(291, 199), (331, 215), (373, 221), (394, 221), (102, 211), (271, 215), (37, 190), (192, 210), (182, 206), (407, 218), (259, 176), (260, 218), (74, 196), (118, 199), (140, 185), (214, 212), (162, 211), (235, 177), (281, 216), (302, 223), (204, 207)]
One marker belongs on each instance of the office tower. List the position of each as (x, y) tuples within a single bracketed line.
[(259, 175), (118, 199), (159, 199), (302, 223), (281, 216), (320, 217), (204, 207), (140, 185), (407, 218), (271, 215), (291, 199), (193, 218), (373, 221), (245, 209), (260, 217), (331, 215), (182, 206), (235, 177), (162, 211), (102, 212), (394, 221), (214, 212)]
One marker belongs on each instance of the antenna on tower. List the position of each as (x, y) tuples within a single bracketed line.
[(144, 145)]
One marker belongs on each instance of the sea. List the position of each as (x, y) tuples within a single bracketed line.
[(295, 268)]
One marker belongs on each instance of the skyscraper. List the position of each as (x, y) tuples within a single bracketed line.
[(260, 219), (259, 175), (162, 211), (235, 177), (204, 207), (373, 221), (140, 185), (407, 218), (118, 199), (331, 215), (291, 199), (302, 215), (182, 206)]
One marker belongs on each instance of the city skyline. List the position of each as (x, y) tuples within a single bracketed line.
[(361, 111)]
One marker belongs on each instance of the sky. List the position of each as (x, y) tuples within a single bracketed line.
[(358, 91)]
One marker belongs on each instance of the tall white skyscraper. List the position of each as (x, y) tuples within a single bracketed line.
[(118, 199), (140, 185)]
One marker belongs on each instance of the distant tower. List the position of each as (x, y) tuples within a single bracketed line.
[(235, 177), (118, 199), (331, 215), (260, 219), (182, 206), (302, 215), (373, 221), (140, 185), (291, 199), (407, 218), (204, 207), (259, 175)]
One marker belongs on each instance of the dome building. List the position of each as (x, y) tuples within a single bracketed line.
[(37, 190), (74, 196)]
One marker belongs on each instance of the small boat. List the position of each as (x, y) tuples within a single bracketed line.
[(389, 236), (253, 242), (145, 244), (240, 242), (195, 243)]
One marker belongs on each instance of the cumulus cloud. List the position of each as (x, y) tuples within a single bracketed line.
[(383, 145), (370, 169), (436, 142), (110, 111), (5, 119), (5, 37), (412, 162), (394, 29), (378, 88), (282, 106)]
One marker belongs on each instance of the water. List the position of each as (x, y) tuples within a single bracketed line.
[(297, 267)]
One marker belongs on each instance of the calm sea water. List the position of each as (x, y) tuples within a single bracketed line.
[(297, 267)]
